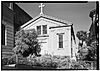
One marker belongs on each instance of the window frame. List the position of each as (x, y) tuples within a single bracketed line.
[(44, 30), (38, 32), (60, 36), (4, 35)]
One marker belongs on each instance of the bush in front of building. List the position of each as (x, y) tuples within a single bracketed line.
[(4, 61), (77, 65), (87, 65), (88, 53), (56, 62), (8, 61), (47, 60), (26, 43)]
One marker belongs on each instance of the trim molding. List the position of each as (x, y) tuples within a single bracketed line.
[(59, 26)]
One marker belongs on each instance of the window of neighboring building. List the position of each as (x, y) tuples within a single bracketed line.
[(60, 40), (3, 34), (9, 5), (44, 29), (38, 30)]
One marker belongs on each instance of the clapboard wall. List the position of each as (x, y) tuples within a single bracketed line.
[(8, 21)]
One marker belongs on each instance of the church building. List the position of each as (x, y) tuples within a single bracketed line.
[(55, 36)]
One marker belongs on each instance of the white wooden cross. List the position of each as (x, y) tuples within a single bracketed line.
[(41, 6)]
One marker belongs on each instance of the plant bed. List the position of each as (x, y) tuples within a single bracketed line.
[(8, 68), (39, 67), (24, 67), (17, 67), (8, 60)]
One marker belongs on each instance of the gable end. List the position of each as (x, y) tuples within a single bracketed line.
[(46, 17)]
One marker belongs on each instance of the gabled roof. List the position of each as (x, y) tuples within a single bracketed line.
[(46, 17)]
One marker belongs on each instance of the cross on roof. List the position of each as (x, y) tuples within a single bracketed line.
[(41, 6)]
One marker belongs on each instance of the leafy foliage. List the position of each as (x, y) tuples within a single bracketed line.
[(49, 61), (45, 61), (88, 52), (92, 52), (81, 65), (4, 61), (7, 61), (82, 35), (26, 43), (90, 39), (56, 62)]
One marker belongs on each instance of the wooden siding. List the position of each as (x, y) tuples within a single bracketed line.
[(7, 49), (7, 54), (10, 35)]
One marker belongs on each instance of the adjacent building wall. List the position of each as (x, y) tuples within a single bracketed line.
[(7, 21), (54, 40), (12, 17)]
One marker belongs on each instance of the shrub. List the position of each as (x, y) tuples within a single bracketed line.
[(76, 65), (12, 60), (7, 61), (59, 62), (81, 65), (4, 61), (45, 61), (26, 43), (63, 62), (53, 61), (25, 62)]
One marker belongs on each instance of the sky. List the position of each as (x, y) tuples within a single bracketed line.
[(77, 13)]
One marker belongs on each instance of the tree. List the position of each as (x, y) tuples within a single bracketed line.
[(83, 52), (82, 35), (88, 52), (90, 39), (26, 43), (92, 51)]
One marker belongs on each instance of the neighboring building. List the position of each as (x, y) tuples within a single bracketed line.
[(20, 17), (10, 20), (7, 30), (55, 36)]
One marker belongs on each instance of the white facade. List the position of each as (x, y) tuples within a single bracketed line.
[(50, 41)]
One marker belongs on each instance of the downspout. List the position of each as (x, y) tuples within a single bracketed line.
[(71, 42)]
